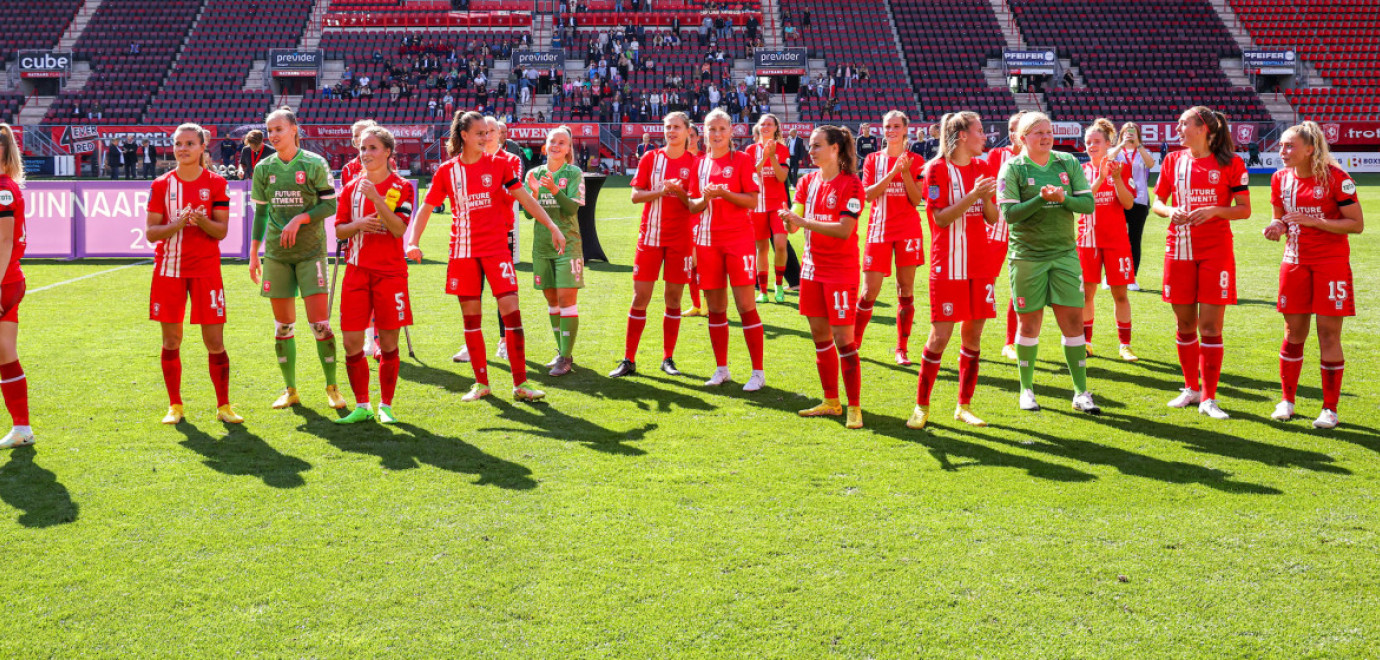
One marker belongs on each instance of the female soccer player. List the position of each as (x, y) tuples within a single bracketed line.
[(13, 385), (1210, 187), (1103, 243), (1315, 209), (696, 148), (773, 165), (188, 215), (355, 167), (828, 203), (724, 248), (1132, 153), (999, 234), (666, 184), (378, 205), (1039, 192), (559, 186), (293, 195), (961, 207), (481, 188), (892, 177)]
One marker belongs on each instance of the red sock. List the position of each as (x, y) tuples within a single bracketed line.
[(637, 321), (172, 375), (905, 318), (1210, 361), (1123, 332), (827, 361), (388, 376), (780, 275), (517, 346), (929, 372), (670, 331), (1290, 366), (15, 387), (718, 337), (474, 340), (219, 366), (1087, 330), (1331, 383), (695, 291), (357, 369), (967, 375), (861, 317), (1011, 323), (1188, 358), (852, 374), (762, 281), (755, 335)]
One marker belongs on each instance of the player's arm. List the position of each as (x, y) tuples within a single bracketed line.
[(747, 200), (1164, 188), (981, 190), (258, 194), (435, 196), (1125, 194), (325, 196), (1277, 227), (1014, 210), (879, 188), (6, 237), (915, 192), (1351, 222), (529, 203), (778, 170), (1082, 199), (572, 196), (157, 230), (217, 226)]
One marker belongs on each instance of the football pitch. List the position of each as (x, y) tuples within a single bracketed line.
[(654, 517)]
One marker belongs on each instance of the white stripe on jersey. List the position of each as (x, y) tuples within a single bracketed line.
[(706, 218), (653, 237), (460, 227), (999, 231), (172, 246), (1289, 192), (757, 167), (876, 228), (958, 236), (807, 262), (1088, 237), (356, 212), (1183, 193)]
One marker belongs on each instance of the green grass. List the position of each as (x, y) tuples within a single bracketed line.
[(651, 517)]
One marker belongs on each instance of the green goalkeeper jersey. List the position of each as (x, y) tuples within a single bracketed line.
[(564, 209), (282, 191), (1040, 230)]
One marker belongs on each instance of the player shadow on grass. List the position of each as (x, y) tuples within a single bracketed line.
[(35, 491), (945, 449), (414, 447), (547, 421), (604, 267), (1235, 383), (425, 374), (241, 453), (638, 390)]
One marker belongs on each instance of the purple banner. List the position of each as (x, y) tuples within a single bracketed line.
[(114, 219), (49, 229)]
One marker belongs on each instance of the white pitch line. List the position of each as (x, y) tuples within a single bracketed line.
[(87, 277)]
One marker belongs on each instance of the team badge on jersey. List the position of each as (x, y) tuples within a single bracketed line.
[(1064, 178), (301, 178), (1246, 179), (1318, 192), (684, 172), (832, 200), (1214, 176), (934, 190), (205, 195), (1348, 187), (1030, 181), (564, 181), (948, 309), (728, 171), (486, 180), (272, 179), (854, 206)]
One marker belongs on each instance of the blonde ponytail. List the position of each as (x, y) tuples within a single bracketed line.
[(1321, 161)]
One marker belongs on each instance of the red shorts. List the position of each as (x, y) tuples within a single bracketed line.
[(464, 276), (1121, 269), (722, 266), (1210, 281), (10, 296), (366, 295), (168, 299), (835, 302), (765, 224), (877, 256), (997, 257), (956, 301), (1323, 289), (679, 261)]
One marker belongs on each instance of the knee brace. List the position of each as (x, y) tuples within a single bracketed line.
[(321, 330), (282, 330)]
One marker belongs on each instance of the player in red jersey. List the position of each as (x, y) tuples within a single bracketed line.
[(961, 205), (666, 183), (1210, 187), (354, 168), (724, 248), (376, 206), (1103, 242), (1315, 208), (13, 384), (696, 148), (481, 188), (188, 215), (999, 233), (892, 177), (828, 203), (773, 165)]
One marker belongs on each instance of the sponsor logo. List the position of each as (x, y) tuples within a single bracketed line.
[(1284, 301), (867, 261), (1348, 188), (45, 62), (1214, 176), (1030, 181), (1246, 179), (854, 205), (266, 287), (486, 181), (539, 279), (301, 178), (272, 179), (934, 190)]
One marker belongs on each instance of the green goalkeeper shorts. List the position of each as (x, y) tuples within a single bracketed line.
[(284, 280), (562, 272), (1035, 284)]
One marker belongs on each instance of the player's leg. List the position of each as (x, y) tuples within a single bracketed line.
[(168, 305), (876, 267), (670, 326), (647, 264), (1066, 297), (1121, 310), (763, 247), (826, 354), (753, 332), (499, 272), (1296, 328), (14, 385), (1029, 292), (567, 300), (849, 363), (1090, 260), (285, 345), (171, 363), (930, 360), (389, 365), (472, 311), (357, 370), (1180, 291), (553, 315), (317, 303), (218, 365), (1332, 368), (1211, 318), (778, 243), (969, 356), (905, 311)]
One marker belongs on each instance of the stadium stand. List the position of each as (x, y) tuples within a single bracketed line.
[(1152, 66), (130, 44), (849, 35), (947, 43), (206, 81), (10, 103), (1340, 38), (36, 25)]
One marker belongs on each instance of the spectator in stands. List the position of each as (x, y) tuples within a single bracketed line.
[(98, 110), (133, 48), (705, 26), (1253, 153), (113, 159), (805, 18), (253, 152), (228, 151), (1164, 150), (796, 147), (752, 25), (149, 155), (130, 151), (675, 26), (867, 142), (349, 75)]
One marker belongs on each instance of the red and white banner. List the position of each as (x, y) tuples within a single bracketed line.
[(739, 130), (404, 133), (1157, 132), (82, 139), (1352, 132), (538, 132)]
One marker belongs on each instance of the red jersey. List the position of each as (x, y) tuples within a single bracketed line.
[(378, 252), (12, 206), (1310, 245), (190, 252), (666, 221), (999, 231), (1106, 227), (893, 217), (958, 251), (773, 191), (827, 259), (724, 222), (1197, 183), (481, 200)]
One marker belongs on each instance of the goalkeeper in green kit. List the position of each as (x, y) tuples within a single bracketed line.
[(559, 187), (293, 196), (1039, 193)]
